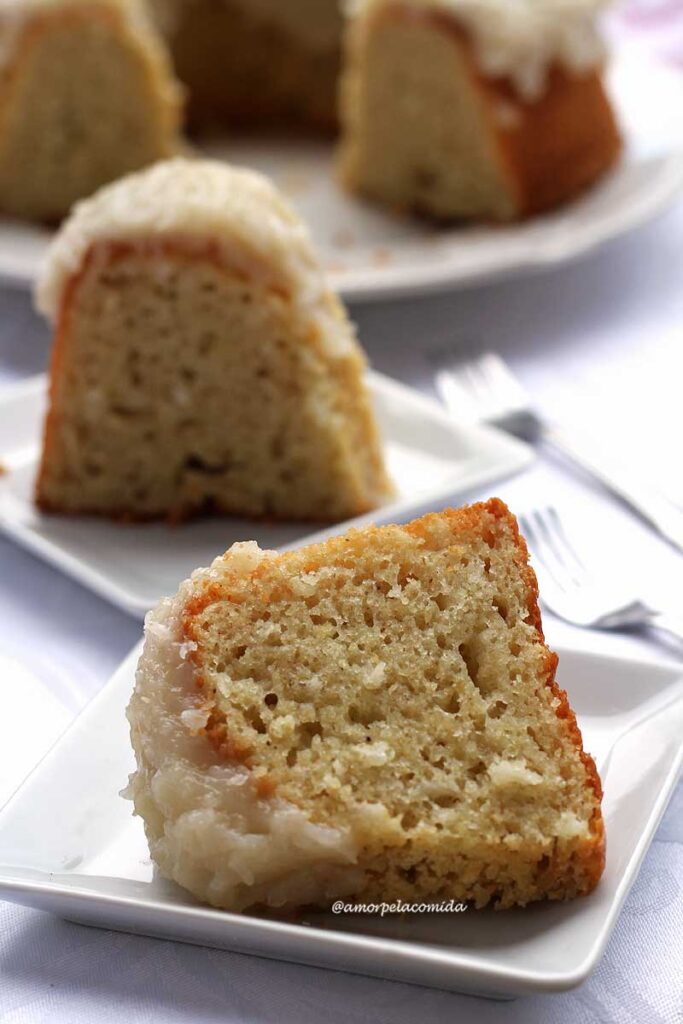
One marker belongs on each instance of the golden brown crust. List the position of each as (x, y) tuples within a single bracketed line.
[(556, 146), (561, 143), (51, 425), (594, 854)]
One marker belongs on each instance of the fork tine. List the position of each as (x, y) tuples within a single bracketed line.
[(503, 381), (495, 370), (559, 544), (456, 395), (483, 390), (488, 368), (543, 552), (558, 526), (464, 384), (476, 380), (492, 384), (490, 374)]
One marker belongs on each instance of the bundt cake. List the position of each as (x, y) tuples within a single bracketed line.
[(479, 109), (200, 362), (88, 94), (255, 61), (375, 716), (474, 108)]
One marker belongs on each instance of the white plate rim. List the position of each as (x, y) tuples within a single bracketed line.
[(548, 252)]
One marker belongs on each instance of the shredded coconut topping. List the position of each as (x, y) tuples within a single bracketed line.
[(199, 201)]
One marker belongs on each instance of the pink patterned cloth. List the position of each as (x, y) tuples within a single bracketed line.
[(657, 25)]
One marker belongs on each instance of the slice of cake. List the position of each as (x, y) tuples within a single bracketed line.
[(376, 716), (247, 62), (87, 95), (201, 364), (475, 108)]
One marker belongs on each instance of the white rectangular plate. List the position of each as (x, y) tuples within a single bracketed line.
[(431, 458), (69, 845)]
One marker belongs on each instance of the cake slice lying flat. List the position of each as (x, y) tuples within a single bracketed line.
[(469, 109), (374, 716), (88, 94), (201, 364)]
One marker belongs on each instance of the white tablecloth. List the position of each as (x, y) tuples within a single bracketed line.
[(600, 344)]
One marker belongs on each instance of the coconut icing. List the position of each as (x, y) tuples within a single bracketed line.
[(238, 211)]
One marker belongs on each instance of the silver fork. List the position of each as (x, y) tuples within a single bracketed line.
[(574, 593), (484, 389)]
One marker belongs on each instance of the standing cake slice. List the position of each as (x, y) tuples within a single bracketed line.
[(201, 364), (88, 94), (479, 109), (376, 716)]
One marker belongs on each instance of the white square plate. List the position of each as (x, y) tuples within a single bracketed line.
[(431, 457), (69, 845)]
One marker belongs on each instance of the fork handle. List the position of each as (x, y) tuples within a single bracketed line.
[(637, 494)]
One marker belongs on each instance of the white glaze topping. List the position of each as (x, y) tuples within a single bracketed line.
[(183, 199), (198, 201), (207, 825)]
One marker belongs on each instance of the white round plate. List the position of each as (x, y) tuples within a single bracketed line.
[(371, 254)]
